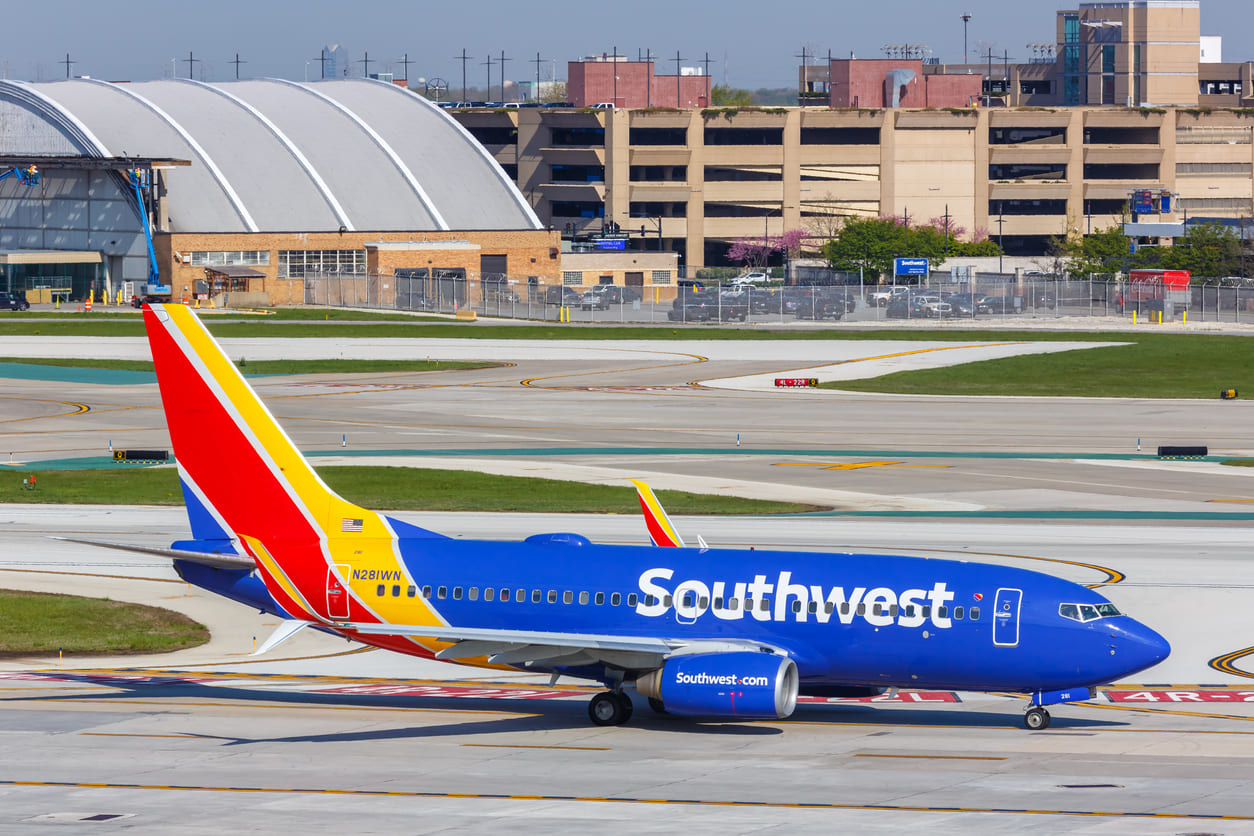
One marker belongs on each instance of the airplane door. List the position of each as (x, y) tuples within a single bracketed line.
[(1006, 617), (337, 595)]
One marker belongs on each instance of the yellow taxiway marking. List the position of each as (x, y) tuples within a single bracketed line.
[(1233, 501), (679, 802), (855, 465)]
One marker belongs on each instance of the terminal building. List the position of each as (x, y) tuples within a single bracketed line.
[(251, 188)]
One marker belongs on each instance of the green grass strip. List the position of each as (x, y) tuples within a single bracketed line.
[(1153, 366), (35, 623), (390, 488)]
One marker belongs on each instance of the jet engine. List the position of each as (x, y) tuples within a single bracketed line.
[(740, 685)]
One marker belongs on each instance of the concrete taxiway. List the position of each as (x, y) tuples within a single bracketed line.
[(322, 735)]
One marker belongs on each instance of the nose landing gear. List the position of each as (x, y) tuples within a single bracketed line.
[(1036, 719)]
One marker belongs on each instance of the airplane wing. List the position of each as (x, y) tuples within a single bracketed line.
[(222, 560), (530, 647)]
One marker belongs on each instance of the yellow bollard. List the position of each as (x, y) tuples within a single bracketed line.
[(1184, 318), (1160, 317), (1134, 317)]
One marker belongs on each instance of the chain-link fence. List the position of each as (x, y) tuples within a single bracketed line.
[(939, 297)]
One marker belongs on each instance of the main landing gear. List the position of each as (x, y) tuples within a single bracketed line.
[(1036, 719), (610, 708)]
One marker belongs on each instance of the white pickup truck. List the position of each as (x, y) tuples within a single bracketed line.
[(881, 298)]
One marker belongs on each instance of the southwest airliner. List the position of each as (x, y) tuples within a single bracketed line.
[(701, 632)]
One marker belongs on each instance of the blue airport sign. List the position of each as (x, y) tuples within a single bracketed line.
[(910, 266), (611, 243)]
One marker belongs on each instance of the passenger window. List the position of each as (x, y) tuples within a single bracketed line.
[(488, 593), (473, 593), (599, 598), (813, 607), (877, 609), (552, 596), (632, 598), (927, 610), (910, 611), (718, 603), (426, 592), (411, 592), (844, 608), (396, 590), (796, 606), (442, 593), (568, 597), (942, 612), (703, 603), (382, 589), (457, 593), (520, 595), (862, 609), (958, 613), (616, 598), (505, 596), (689, 600), (893, 610), (583, 597), (829, 607), (975, 613), (764, 605), (733, 604), (536, 596), (668, 601)]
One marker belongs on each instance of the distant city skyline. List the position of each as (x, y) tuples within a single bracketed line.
[(750, 45)]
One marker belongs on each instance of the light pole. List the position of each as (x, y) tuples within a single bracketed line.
[(966, 18), (1000, 236)]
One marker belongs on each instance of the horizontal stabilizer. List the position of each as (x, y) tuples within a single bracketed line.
[(220, 561), (286, 629)]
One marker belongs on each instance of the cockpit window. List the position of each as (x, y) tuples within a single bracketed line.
[(1088, 612)]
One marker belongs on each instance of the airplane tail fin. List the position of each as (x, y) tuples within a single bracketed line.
[(661, 532), (243, 477)]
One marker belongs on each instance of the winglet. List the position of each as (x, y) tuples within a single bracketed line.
[(661, 532)]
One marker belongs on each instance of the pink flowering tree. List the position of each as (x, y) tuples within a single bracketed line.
[(755, 253)]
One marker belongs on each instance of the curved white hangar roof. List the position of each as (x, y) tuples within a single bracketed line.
[(277, 156)]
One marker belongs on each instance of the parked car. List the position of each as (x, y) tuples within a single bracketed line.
[(618, 294), (559, 295), (13, 302), (938, 309), (995, 304), (823, 307), (750, 278), (906, 306), (593, 301), (883, 296), (691, 310)]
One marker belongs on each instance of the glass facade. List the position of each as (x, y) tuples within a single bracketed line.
[(1071, 59), (296, 264)]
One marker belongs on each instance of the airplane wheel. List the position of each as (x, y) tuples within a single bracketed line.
[(1037, 719), (625, 701), (606, 709), (657, 706)]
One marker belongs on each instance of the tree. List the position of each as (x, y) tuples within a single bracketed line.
[(1208, 249), (723, 96), (1104, 251), (755, 253), (871, 244)]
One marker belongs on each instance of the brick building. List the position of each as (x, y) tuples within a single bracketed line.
[(624, 83)]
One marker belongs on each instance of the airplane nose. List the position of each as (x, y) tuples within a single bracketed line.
[(1138, 647)]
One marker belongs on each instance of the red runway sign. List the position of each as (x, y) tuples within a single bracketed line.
[(796, 381), (1179, 696)]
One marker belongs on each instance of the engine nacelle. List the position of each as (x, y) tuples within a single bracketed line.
[(743, 685)]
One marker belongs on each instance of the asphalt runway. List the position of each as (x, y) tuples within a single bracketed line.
[(323, 736)]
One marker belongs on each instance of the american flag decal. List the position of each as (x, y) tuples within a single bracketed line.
[(351, 525)]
